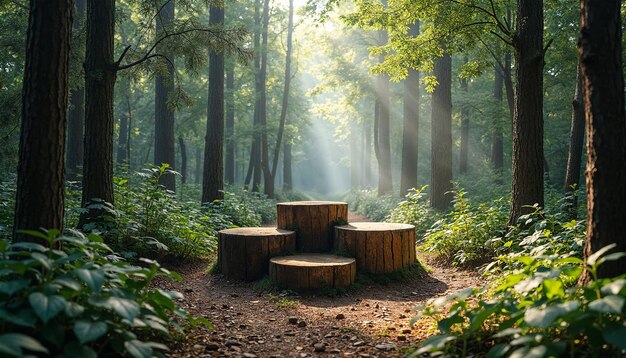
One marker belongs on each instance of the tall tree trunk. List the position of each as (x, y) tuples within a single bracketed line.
[(229, 157), (254, 166), (383, 138), (576, 139), (367, 161), (183, 160), (40, 184), (287, 177), (497, 140), (76, 116), (527, 172), (410, 138), (122, 140), (199, 162), (100, 75), (213, 180), (354, 159), (603, 90), (285, 105), (441, 142), (164, 148), (268, 181), (465, 126)]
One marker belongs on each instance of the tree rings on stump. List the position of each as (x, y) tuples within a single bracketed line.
[(313, 222), (243, 253), (312, 271), (377, 247)]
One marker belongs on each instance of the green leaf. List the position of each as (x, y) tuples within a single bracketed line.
[(42, 259), (73, 309), (528, 352), (123, 307), (138, 349), (87, 331), (25, 317), (13, 343), (499, 350), (611, 257), (591, 260), (68, 282), (615, 336), (614, 288), (608, 304), (434, 343), (73, 349), (46, 307), (11, 287), (93, 278)]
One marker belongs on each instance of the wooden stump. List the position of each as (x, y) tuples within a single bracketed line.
[(312, 271), (313, 222), (377, 247), (243, 253)]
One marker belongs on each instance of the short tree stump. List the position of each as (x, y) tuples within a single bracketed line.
[(312, 271), (243, 253), (313, 222), (377, 247)]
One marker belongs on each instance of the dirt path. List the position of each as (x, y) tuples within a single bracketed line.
[(371, 320)]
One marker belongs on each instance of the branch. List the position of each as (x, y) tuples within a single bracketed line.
[(545, 49), (508, 42)]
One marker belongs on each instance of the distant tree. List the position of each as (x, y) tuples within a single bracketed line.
[(382, 140), (40, 182), (213, 176), (164, 148), (76, 116), (576, 139), (411, 105), (229, 154), (528, 159), (600, 53), (183, 159), (123, 147), (465, 128), (441, 137), (497, 140)]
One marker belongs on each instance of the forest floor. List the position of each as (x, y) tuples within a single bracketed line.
[(371, 320)]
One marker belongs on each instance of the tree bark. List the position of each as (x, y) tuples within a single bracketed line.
[(40, 183), (528, 160), (465, 126), (76, 116), (441, 142), (410, 138), (254, 166), (164, 147), (354, 158), (367, 161), (122, 140), (497, 140), (576, 139), (183, 160), (287, 175), (213, 180), (199, 162), (268, 181), (100, 75), (229, 157), (603, 90), (383, 138)]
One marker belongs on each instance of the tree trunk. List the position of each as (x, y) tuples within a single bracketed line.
[(76, 116), (465, 126), (164, 148), (40, 184), (100, 75), (254, 166), (441, 142), (268, 181), (199, 162), (183, 160), (213, 180), (383, 138), (354, 158), (576, 139), (603, 90), (410, 138), (497, 140), (229, 155), (527, 172), (122, 138), (287, 177), (367, 162)]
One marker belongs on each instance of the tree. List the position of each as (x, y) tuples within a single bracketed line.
[(441, 137), (229, 158), (465, 127), (576, 138), (528, 160), (213, 176), (40, 183), (164, 149), (408, 177), (382, 136), (497, 140), (76, 116), (600, 54)]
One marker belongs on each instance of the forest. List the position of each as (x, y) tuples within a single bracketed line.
[(300, 178)]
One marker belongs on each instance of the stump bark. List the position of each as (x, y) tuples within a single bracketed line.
[(377, 247), (312, 271), (244, 253), (313, 222)]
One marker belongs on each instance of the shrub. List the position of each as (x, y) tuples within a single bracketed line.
[(415, 210), (368, 203), (81, 300)]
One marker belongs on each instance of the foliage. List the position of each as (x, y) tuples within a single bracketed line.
[(415, 210), (7, 206), (367, 202), (77, 298)]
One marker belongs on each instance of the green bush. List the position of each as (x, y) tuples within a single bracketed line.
[(415, 210), (368, 203), (79, 299)]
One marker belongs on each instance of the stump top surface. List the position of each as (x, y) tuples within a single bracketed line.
[(373, 226), (312, 260), (312, 203), (256, 231)]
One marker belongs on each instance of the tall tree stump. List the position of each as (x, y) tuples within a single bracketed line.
[(313, 222), (243, 253), (312, 271), (377, 247)]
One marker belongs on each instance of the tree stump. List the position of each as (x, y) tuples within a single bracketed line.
[(243, 253), (377, 247), (313, 222), (312, 271)]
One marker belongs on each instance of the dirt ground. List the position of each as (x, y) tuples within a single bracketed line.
[(371, 320)]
